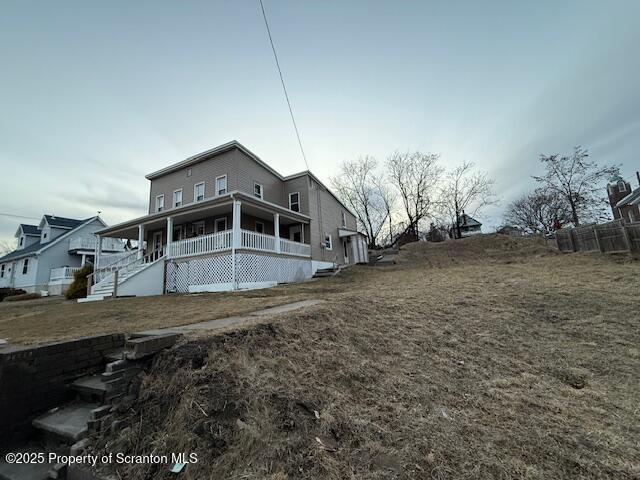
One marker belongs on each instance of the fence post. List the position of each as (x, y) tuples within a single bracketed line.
[(595, 234), (625, 234), (573, 240)]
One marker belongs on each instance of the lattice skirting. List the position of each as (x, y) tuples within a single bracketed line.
[(251, 269)]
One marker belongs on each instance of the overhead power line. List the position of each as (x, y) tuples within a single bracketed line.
[(286, 95), (17, 216)]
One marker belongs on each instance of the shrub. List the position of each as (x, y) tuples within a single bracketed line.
[(8, 292), (22, 296), (78, 288)]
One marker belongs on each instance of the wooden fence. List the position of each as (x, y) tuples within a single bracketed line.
[(610, 237)]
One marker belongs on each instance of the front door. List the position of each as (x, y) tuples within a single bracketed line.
[(157, 240), (295, 233), (177, 233), (346, 251)]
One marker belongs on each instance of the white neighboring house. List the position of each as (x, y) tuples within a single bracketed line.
[(50, 253)]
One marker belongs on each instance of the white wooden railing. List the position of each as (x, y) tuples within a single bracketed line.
[(295, 248), (62, 273), (122, 266), (257, 241), (89, 243), (211, 243)]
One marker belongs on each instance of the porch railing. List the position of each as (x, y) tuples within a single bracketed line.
[(62, 273), (89, 243), (257, 241), (211, 243), (295, 248)]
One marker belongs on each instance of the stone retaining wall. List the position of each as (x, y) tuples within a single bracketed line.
[(34, 379)]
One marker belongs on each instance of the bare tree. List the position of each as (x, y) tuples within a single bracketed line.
[(360, 186), (7, 246), (538, 212), (579, 182), (465, 190), (415, 176)]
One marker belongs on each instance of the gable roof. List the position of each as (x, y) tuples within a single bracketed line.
[(62, 222), (632, 198), (31, 230), (468, 221), (38, 247), (230, 146)]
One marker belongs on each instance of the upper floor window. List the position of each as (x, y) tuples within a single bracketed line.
[(257, 190), (188, 172), (198, 192), (2, 271), (159, 203), (221, 185), (21, 241), (177, 198), (294, 201), (25, 266), (344, 219)]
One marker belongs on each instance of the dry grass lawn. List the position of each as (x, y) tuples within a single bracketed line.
[(485, 358)]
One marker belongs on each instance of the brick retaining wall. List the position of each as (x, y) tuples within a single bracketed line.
[(34, 379)]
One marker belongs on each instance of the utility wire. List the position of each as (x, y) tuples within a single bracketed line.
[(275, 55), (17, 216)]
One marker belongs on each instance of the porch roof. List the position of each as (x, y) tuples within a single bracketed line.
[(196, 210)]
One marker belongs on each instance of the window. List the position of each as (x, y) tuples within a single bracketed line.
[(198, 192), (159, 203), (2, 271), (177, 198), (220, 225), (344, 219), (294, 201), (328, 244), (188, 172), (259, 227), (21, 241), (25, 266), (257, 190), (44, 235), (221, 185), (622, 187), (197, 228)]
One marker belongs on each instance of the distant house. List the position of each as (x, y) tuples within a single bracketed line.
[(469, 226), (624, 201), (511, 230), (48, 254)]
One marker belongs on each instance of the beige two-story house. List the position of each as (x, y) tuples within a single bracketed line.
[(225, 220)]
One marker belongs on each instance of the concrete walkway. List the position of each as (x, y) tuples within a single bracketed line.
[(221, 323)]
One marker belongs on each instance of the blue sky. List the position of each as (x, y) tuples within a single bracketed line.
[(94, 95)]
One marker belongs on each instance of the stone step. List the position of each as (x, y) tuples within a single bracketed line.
[(114, 355), (68, 422), (145, 346), (91, 387)]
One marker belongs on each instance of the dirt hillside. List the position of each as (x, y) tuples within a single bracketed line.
[(515, 363)]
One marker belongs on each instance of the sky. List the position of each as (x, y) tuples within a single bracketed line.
[(94, 95)]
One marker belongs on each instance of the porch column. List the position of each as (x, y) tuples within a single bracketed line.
[(84, 259), (169, 235), (98, 251), (237, 212), (302, 232), (276, 230), (140, 241)]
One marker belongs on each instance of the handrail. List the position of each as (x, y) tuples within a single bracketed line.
[(118, 260), (94, 278)]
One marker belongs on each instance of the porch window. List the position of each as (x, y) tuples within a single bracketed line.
[(328, 244), (25, 266), (198, 192), (220, 224), (2, 271), (159, 203), (177, 198), (257, 190), (294, 201), (221, 185), (197, 228), (259, 227)]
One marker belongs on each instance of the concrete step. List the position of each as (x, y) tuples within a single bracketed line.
[(92, 387), (93, 298), (68, 423), (114, 355), (25, 471), (147, 345)]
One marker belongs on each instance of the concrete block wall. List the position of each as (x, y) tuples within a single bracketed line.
[(34, 379)]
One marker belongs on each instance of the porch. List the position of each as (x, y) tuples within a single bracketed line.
[(221, 244)]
